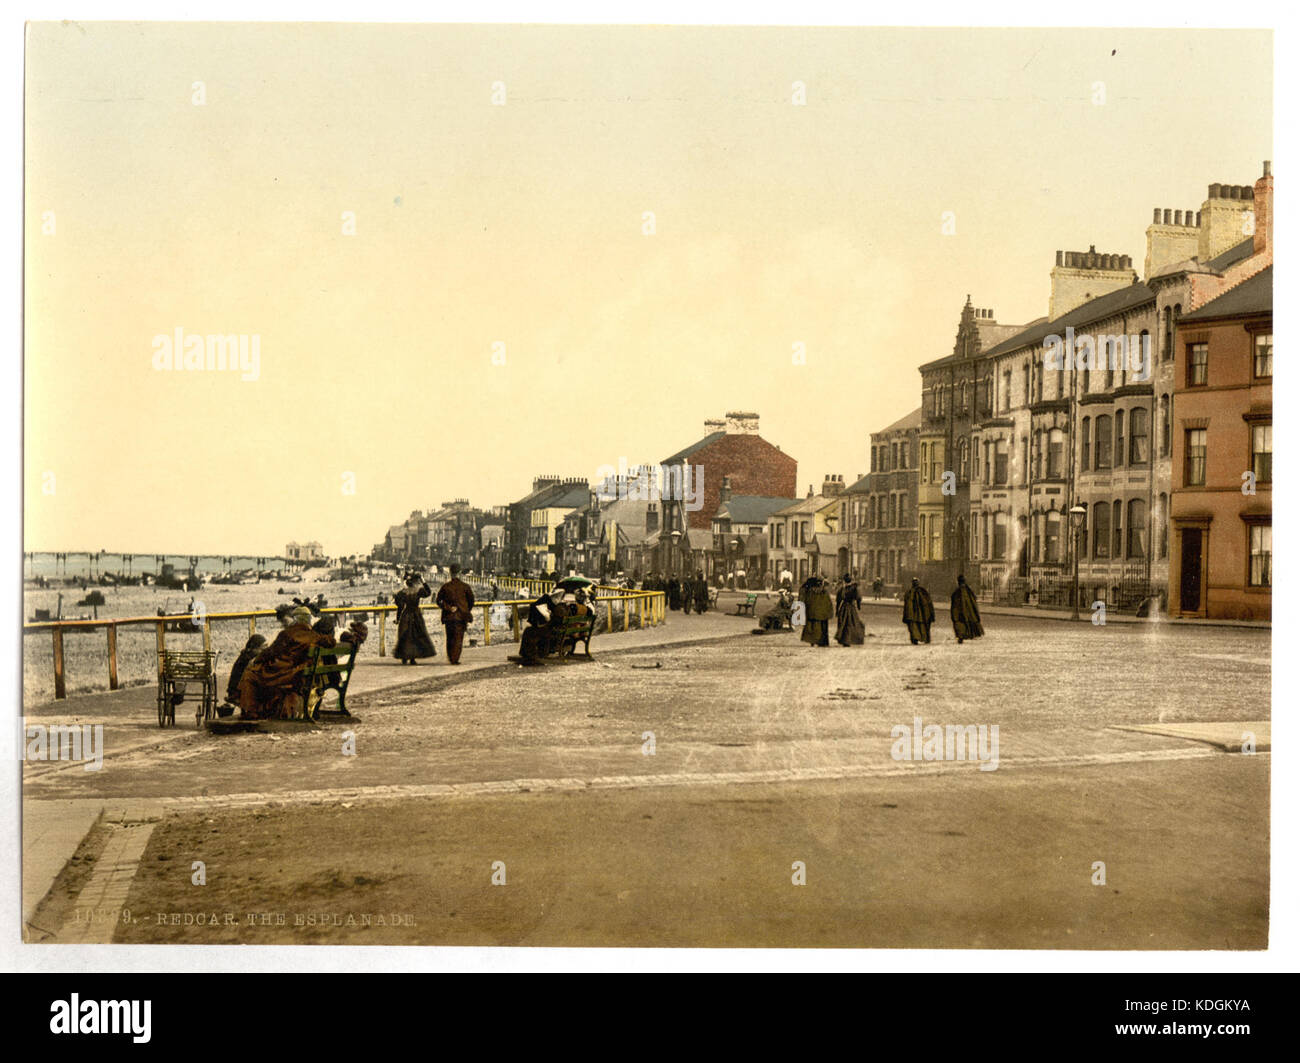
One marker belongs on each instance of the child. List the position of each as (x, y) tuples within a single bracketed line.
[(255, 645)]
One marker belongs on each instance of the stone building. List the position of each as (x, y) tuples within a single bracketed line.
[(1076, 409), (879, 511)]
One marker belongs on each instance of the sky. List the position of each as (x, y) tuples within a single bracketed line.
[(472, 255)]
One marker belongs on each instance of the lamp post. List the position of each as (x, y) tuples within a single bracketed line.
[(1077, 515), (739, 544), (675, 536)]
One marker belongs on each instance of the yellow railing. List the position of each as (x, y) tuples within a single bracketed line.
[(649, 606)]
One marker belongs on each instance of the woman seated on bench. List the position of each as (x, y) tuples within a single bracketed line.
[(271, 684), (545, 621)]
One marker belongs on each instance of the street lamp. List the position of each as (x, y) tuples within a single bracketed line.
[(1077, 515)]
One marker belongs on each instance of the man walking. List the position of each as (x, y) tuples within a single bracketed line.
[(918, 612), (457, 602)]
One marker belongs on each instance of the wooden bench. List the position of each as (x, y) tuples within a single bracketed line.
[(746, 608), (326, 661), (575, 629)]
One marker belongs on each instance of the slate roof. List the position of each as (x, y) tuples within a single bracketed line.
[(682, 455), (752, 509), (1252, 296)]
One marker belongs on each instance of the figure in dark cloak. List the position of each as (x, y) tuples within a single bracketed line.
[(674, 593), (817, 611), (255, 645), (918, 612), (412, 636), (701, 588), (965, 613), (849, 629)]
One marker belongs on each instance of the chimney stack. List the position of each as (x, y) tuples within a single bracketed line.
[(742, 422), (1083, 275), (724, 495), (1262, 197)]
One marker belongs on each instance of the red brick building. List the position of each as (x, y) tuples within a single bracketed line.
[(1221, 509), (732, 451)]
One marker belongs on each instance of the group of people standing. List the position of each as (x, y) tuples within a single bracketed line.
[(918, 612), (684, 594)]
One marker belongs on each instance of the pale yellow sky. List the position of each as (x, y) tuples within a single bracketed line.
[(523, 224)]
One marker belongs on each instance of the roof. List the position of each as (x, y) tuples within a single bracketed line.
[(751, 509), (806, 505), (830, 542), (1103, 306), (682, 455), (1252, 296), (699, 539), (912, 420), (1222, 261), (577, 496)]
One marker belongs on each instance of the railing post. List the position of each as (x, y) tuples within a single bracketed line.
[(514, 621), (383, 617), (112, 656), (487, 626), (207, 635), (252, 626), (59, 689), (609, 610), (162, 645), (626, 610)]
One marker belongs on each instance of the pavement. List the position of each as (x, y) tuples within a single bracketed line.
[(732, 716)]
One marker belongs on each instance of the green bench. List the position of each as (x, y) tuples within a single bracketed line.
[(746, 608), (324, 662), (575, 629)]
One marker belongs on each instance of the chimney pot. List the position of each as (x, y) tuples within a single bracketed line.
[(1060, 255), (1178, 217), (1155, 216), (1268, 168), (1168, 221), (1214, 191), (1198, 219)]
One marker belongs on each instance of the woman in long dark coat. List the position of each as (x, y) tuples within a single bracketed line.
[(918, 612), (412, 636), (674, 593), (849, 629), (817, 611), (701, 589), (965, 613)]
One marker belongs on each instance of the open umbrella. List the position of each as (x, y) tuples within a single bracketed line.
[(570, 583)]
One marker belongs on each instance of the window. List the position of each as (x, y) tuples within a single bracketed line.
[(988, 477), (1006, 390), (1194, 458), (1162, 523), (1264, 354), (1261, 452), (1166, 427), (1167, 351), (1137, 437), (1085, 444), (1117, 529), (1137, 528), (1024, 459), (1261, 555), (975, 456), (1027, 378), (925, 467), (1119, 438), (1101, 453), (1052, 537), (999, 536), (902, 510), (1038, 455), (1198, 365), (902, 455), (893, 511), (1101, 530), (936, 540), (961, 397), (936, 463), (963, 459), (871, 512), (893, 456), (1055, 454)]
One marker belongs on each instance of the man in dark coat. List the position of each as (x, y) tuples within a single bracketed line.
[(456, 599), (701, 589), (674, 593), (412, 636), (918, 612), (965, 613)]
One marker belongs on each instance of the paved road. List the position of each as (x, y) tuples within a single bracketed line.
[(809, 729)]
